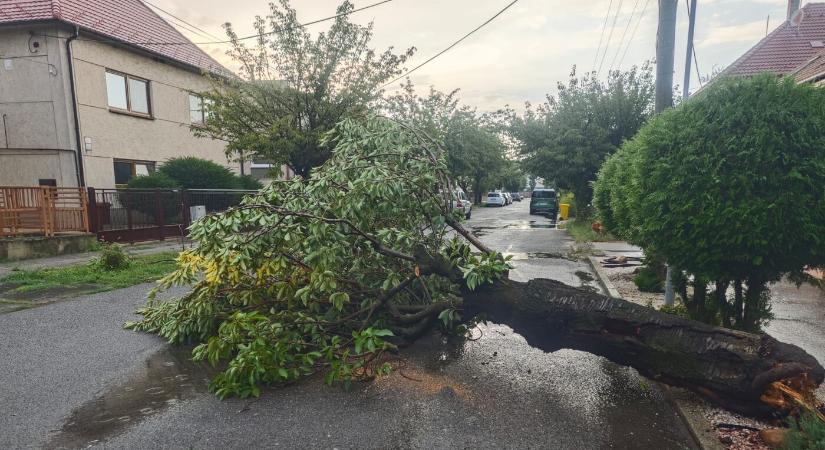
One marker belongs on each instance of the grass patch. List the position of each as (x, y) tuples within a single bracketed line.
[(582, 231), (141, 270)]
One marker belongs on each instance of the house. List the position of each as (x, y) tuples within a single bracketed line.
[(95, 92), (795, 48)]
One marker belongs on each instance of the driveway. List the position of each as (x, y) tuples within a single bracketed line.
[(74, 378)]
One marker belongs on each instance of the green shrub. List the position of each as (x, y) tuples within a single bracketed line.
[(728, 188), (196, 173), (807, 433), (649, 278), (112, 257), (249, 183), (153, 181)]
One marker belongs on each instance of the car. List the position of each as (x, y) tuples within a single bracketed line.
[(544, 201), (507, 198), (495, 199), (516, 197), (462, 203)]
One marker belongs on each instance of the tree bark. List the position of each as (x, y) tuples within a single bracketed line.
[(731, 368)]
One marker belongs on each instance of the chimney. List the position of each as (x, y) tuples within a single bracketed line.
[(793, 6)]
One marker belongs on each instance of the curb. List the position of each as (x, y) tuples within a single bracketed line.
[(696, 424), (605, 282)]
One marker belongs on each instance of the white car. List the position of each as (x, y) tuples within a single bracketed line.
[(462, 203), (495, 199), (508, 198)]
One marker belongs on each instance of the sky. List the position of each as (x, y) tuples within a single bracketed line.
[(522, 54)]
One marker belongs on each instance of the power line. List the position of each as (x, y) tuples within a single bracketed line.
[(202, 31), (229, 41), (624, 33), (610, 36), (451, 45), (601, 36), (633, 33)]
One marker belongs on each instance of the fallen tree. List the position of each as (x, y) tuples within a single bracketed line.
[(327, 273)]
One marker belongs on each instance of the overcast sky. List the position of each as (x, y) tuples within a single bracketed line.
[(525, 51)]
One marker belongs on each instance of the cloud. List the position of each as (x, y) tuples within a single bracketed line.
[(745, 32)]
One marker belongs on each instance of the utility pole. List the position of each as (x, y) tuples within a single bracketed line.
[(689, 55), (665, 48)]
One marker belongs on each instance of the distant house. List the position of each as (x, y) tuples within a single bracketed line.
[(95, 92), (796, 48)]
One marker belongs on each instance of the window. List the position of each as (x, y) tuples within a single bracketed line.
[(198, 109), (125, 170), (127, 93)]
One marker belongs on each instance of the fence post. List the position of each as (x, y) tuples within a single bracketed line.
[(159, 214), (91, 208), (186, 215)]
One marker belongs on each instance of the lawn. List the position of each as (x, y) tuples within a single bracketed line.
[(582, 231), (141, 269)]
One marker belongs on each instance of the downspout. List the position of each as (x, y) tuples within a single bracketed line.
[(81, 176)]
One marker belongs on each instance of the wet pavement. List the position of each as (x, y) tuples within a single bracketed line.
[(74, 378)]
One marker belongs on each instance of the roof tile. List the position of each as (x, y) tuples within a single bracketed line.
[(786, 48), (129, 21)]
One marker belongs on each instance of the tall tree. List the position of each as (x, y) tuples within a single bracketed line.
[(475, 154), (293, 88), (567, 138)]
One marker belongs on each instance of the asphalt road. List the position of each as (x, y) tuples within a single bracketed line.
[(72, 377)]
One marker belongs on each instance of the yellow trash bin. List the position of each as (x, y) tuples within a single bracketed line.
[(564, 211)]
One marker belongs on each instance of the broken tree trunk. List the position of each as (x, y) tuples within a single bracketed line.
[(737, 370)]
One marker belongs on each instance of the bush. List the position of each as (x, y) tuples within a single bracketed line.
[(249, 183), (112, 257), (727, 187), (649, 278), (153, 181), (807, 433), (196, 173)]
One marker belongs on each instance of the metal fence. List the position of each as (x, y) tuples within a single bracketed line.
[(42, 210), (132, 215)]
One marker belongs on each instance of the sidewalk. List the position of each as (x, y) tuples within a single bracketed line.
[(143, 248)]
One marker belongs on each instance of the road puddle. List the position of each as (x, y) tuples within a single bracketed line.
[(170, 376)]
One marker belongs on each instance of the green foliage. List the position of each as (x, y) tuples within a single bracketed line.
[(806, 433), (155, 180), (295, 88), (650, 278), (727, 187), (567, 138), (191, 172), (581, 229), (322, 274), (141, 269), (112, 257), (475, 155), (247, 182)]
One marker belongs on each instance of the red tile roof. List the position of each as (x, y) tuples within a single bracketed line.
[(813, 70), (127, 21), (786, 48)]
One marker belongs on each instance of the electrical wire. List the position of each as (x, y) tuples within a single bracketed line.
[(203, 32), (633, 33), (451, 45), (693, 50), (229, 41), (601, 36), (624, 33), (610, 36)]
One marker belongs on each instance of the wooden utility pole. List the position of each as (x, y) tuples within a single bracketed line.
[(689, 55), (665, 48)]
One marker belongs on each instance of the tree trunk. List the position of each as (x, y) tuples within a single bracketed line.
[(732, 368)]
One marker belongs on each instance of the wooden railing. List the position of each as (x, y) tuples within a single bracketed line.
[(42, 210)]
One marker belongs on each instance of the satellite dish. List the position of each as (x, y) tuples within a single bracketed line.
[(796, 18)]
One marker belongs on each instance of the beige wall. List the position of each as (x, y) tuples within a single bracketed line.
[(36, 140), (113, 135), (35, 96)]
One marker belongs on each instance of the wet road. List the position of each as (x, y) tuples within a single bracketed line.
[(72, 377)]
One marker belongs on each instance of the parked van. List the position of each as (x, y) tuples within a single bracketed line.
[(544, 201)]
